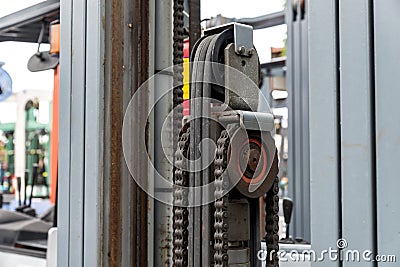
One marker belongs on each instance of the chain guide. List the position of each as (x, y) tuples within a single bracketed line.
[(272, 224), (181, 179)]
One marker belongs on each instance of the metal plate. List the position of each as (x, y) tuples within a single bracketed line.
[(239, 257), (238, 220), (241, 93)]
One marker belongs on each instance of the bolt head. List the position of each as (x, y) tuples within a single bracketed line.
[(241, 50)]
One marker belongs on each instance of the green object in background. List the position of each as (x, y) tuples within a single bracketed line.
[(7, 162), (8, 129), (3, 154), (10, 152), (35, 151)]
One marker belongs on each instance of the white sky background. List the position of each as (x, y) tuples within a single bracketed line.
[(15, 55), (263, 39)]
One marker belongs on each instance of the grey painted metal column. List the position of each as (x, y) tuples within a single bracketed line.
[(289, 17), (94, 135), (296, 124), (80, 147), (298, 138), (354, 64), (72, 112), (63, 248), (357, 164), (387, 95), (305, 137), (162, 114), (85, 127), (324, 160)]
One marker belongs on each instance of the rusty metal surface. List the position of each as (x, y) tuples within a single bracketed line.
[(194, 22), (116, 113), (140, 58), (124, 76)]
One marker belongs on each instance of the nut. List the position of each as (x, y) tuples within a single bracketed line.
[(241, 50)]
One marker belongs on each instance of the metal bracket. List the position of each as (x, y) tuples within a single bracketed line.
[(241, 93), (249, 120), (243, 37)]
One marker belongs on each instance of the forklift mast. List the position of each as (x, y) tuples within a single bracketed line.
[(216, 215)]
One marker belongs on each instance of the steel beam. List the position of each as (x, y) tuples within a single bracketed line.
[(63, 210), (387, 72), (295, 122), (94, 136), (265, 21), (102, 212), (357, 166), (162, 114), (194, 22), (261, 22), (324, 126), (289, 18), (305, 231), (77, 128), (298, 138)]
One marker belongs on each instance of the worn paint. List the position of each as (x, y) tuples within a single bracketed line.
[(116, 116)]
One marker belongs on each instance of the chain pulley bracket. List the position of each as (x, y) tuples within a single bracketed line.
[(245, 150), (243, 37)]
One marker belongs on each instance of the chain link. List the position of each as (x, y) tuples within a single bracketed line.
[(221, 204), (180, 220), (181, 179), (272, 224)]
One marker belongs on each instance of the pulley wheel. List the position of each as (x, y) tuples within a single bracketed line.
[(253, 162)]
